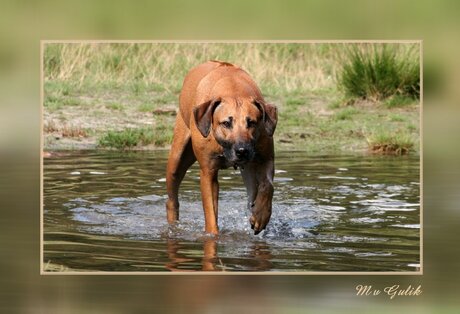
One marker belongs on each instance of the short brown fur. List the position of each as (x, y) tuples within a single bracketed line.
[(223, 121)]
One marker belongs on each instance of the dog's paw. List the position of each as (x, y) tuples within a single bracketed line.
[(259, 221)]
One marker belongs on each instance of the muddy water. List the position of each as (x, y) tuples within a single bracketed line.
[(104, 211)]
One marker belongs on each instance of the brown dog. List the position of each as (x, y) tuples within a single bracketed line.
[(223, 121)]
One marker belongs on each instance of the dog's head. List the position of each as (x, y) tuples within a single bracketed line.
[(236, 124)]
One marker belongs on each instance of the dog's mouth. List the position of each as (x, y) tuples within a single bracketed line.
[(237, 154), (239, 164), (238, 157)]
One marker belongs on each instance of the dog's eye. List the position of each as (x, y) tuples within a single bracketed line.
[(227, 124), (251, 123)]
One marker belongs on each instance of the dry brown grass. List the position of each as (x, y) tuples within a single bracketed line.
[(289, 67), (64, 130)]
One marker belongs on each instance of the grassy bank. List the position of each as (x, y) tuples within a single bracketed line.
[(125, 95)]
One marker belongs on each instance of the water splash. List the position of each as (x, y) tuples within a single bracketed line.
[(327, 211)]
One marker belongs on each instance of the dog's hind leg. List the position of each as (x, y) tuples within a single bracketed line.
[(181, 157)]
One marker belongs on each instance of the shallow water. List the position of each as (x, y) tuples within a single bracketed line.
[(105, 211)]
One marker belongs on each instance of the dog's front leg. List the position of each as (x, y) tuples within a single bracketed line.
[(250, 181), (258, 179), (210, 194)]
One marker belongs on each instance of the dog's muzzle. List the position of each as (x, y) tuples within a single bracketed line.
[(242, 153), (239, 154)]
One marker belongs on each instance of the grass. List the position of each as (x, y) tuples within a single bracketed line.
[(73, 131), (65, 130), (115, 106), (378, 72), (146, 107), (162, 67), (54, 103), (398, 118), (125, 96), (346, 114), (398, 101), (383, 142), (126, 139), (50, 127), (159, 135)]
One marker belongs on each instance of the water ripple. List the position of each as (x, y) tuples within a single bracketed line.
[(321, 219)]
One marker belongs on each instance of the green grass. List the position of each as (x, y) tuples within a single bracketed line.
[(346, 114), (59, 95), (412, 128), (398, 101), (398, 118), (159, 135), (115, 106), (146, 107), (336, 104), (295, 102), (384, 142), (378, 72), (109, 86), (55, 103), (126, 139)]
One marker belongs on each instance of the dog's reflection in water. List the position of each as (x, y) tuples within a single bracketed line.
[(258, 258)]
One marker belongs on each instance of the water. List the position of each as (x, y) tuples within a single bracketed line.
[(105, 211)]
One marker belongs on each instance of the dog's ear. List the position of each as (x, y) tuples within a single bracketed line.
[(270, 116), (203, 115)]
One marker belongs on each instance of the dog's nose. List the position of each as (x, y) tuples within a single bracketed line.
[(241, 153)]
